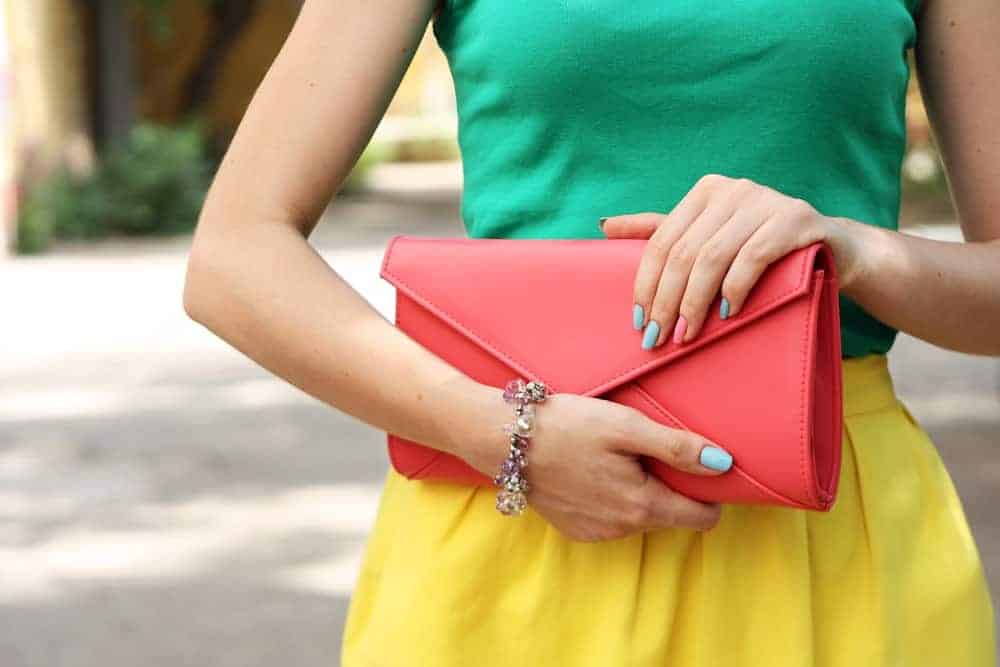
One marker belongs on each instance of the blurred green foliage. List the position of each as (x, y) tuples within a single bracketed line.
[(411, 149), (374, 153), (427, 149), (151, 183)]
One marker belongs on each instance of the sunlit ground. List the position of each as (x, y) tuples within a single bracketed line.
[(164, 501)]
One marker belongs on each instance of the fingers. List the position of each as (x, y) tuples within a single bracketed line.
[(661, 507), (711, 267), (656, 505), (631, 226), (670, 255), (645, 225), (677, 448), (654, 257), (772, 241), (717, 241), (681, 259)]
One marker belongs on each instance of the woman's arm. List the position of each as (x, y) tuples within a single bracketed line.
[(726, 231), (949, 293), (252, 277), (254, 280)]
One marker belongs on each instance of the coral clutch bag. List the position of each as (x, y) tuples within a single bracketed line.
[(765, 384)]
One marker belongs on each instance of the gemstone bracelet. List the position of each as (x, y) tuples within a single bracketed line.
[(511, 499)]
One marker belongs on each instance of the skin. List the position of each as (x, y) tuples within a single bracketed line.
[(255, 281)]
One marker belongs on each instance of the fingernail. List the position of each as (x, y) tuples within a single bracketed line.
[(680, 329), (638, 316), (715, 458), (650, 335), (724, 308), (600, 223)]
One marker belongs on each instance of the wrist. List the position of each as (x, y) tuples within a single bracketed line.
[(860, 250), (476, 433)]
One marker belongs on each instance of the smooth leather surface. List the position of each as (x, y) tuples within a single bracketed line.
[(764, 384)]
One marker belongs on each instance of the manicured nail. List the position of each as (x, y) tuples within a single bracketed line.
[(600, 223), (715, 458), (680, 329), (638, 316), (724, 308), (650, 335)]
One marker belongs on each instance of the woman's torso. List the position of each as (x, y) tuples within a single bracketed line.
[(573, 111)]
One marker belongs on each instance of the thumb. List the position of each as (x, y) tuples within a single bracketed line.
[(631, 225), (679, 449)]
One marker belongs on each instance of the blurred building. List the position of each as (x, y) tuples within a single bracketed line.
[(76, 74)]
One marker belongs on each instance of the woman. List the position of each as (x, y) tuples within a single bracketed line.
[(727, 134)]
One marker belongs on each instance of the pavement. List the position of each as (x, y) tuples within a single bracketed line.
[(165, 501)]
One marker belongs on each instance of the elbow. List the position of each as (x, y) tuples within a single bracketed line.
[(197, 288), (191, 292), (189, 296)]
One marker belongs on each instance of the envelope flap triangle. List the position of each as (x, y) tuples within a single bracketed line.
[(559, 310)]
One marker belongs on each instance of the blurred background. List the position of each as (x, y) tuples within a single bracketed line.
[(163, 500)]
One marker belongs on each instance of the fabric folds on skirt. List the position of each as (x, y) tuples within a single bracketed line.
[(890, 576)]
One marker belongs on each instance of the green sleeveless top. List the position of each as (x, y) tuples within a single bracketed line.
[(569, 111)]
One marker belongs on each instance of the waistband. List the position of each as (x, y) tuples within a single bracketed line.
[(867, 384)]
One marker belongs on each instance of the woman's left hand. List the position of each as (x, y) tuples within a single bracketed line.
[(720, 236)]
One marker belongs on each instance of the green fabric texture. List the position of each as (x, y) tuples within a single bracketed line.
[(572, 111)]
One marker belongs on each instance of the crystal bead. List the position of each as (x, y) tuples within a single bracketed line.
[(516, 483), (511, 503), (524, 425), (516, 458), (509, 467), (512, 392), (526, 409), (535, 391), (515, 440)]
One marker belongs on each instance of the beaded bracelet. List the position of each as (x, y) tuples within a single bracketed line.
[(511, 499)]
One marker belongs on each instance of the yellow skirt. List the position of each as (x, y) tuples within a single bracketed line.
[(890, 576)]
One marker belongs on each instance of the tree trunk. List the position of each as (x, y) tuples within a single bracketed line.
[(229, 18), (116, 83)]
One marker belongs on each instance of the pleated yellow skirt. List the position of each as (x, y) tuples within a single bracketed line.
[(890, 576)]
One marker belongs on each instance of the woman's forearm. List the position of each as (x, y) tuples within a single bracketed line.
[(254, 280), (946, 293), (269, 294)]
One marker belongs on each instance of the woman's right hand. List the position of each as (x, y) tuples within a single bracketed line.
[(584, 471)]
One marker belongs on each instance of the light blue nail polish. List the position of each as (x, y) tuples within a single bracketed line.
[(715, 458), (650, 335), (638, 315), (724, 308)]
